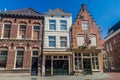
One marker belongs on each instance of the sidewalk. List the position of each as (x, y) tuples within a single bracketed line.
[(24, 76)]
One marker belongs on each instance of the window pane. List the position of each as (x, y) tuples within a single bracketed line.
[(85, 25), (35, 53), (63, 41), (37, 28), (7, 28), (22, 27), (3, 59), (22, 34), (52, 41), (36, 35), (77, 59), (19, 59), (63, 25), (52, 44), (22, 30), (52, 24), (80, 40)]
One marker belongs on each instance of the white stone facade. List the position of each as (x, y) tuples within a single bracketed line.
[(58, 33)]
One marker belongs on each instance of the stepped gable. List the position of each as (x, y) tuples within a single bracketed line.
[(57, 11), (22, 12), (84, 14)]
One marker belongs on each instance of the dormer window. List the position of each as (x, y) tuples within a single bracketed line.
[(85, 25)]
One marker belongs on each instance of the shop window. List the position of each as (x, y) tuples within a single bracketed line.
[(55, 57), (3, 59), (19, 59), (36, 32), (7, 29), (22, 31), (63, 41), (95, 62), (65, 57), (60, 57), (48, 57), (77, 61)]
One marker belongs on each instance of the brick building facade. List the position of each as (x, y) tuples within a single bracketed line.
[(20, 40), (112, 46), (86, 44)]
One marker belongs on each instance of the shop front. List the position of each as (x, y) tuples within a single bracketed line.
[(87, 62), (57, 64)]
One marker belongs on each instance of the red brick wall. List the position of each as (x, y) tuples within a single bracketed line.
[(10, 59), (93, 29), (27, 59), (14, 31), (29, 32), (27, 44), (115, 50)]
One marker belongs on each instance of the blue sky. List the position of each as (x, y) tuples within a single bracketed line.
[(105, 12)]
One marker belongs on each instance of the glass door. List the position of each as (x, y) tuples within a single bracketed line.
[(60, 67), (48, 67), (87, 66), (34, 67)]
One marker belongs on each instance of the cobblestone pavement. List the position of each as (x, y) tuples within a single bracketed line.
[(113, 76), (28, 77)]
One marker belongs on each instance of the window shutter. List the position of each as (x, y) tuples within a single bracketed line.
[(93, 40), (80, 40)]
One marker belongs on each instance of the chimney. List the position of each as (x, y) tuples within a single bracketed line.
[(83, 7)]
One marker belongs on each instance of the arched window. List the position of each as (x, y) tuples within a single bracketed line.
[(36, 31), (19, 57), (3, 57), (6, 30), (22, 31)]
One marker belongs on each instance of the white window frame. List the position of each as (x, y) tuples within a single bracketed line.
[(16, 57), (63, 24), (49, 42), (85, 25), (33, 31), (19, 30), (3, 29), (53, 24), (64, 41)]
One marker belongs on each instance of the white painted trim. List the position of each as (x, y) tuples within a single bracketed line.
[(3, 30), (19, 29), (115, 33), (33, 30), (15, 59)]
